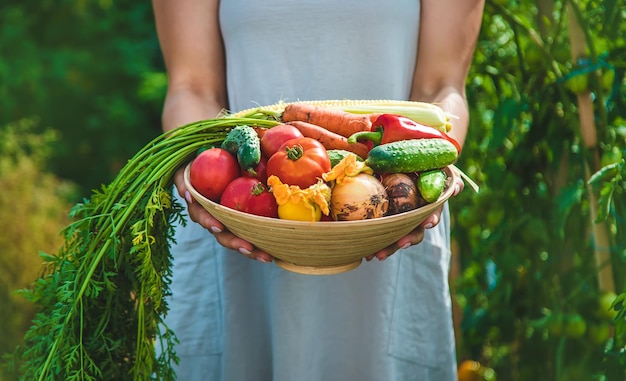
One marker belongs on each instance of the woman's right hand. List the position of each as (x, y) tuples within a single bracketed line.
[(198, 214), (191, 42)]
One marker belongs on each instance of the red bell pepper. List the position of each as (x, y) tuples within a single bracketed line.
[(389, 128)]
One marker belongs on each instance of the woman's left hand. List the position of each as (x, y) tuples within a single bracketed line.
[(417, 235)]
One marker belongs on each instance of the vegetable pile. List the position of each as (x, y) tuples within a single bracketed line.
[(102, 298), (329, 164)]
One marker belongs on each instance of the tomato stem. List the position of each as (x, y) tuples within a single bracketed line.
[(295, 152)]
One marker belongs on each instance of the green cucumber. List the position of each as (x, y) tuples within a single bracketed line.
[(412, 155), (245, 144), (431, 184), (336, 155)]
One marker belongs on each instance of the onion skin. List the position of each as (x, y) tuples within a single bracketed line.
[(402, 193), (360, 197)]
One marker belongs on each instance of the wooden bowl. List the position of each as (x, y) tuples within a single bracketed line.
[(325, 247)]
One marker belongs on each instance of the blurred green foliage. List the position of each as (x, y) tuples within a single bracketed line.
[(90, 70), (529, 288), (33, 208)]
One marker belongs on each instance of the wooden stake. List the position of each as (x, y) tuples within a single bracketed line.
[(589, 135)]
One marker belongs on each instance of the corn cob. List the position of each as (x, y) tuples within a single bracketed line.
[(422, 112)]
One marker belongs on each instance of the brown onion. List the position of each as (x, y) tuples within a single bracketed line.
[(402, 193), (358, 198)]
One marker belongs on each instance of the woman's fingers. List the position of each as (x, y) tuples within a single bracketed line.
[(245, 248), (413, 238), (459, 184), (224, 237), (198, 214)]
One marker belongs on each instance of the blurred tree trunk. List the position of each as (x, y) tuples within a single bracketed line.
[(589, 135)]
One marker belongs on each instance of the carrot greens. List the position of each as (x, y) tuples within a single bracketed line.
[(102, 298)]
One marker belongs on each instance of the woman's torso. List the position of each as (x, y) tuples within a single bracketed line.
[(318, 49), (386, 320)]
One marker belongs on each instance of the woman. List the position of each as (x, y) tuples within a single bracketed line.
[(243, 319)]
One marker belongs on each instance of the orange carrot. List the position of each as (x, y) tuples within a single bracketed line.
[(374, 116), (329, 139), (334, 120), (260, 131)]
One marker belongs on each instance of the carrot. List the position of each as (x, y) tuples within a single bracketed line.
[(374, 116), (329, 139), (260, 131), (109, 280), (334, 120)]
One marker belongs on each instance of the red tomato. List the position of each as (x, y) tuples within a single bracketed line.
[(211, 171), (276, 136), (249, 195), (260, 171), (300, 162)]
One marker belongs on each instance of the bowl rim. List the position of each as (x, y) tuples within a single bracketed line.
[(447, 193)]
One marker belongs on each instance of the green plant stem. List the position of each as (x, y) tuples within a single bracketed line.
[(142, 179), (559, 357)]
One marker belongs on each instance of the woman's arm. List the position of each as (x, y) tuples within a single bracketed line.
[(448, 34), (447, 40), (191, 44)]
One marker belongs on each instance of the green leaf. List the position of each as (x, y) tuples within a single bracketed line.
[(504, 119), (612, 18), (567, 198), (605, 200), (606, 173)]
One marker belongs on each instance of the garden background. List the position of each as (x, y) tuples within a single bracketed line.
[(541, 252)]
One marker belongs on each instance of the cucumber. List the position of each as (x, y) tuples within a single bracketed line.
[(245, 144), (431, 184), (412, 155), (336, 155)]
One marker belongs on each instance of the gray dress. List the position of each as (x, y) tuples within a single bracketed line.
[(239, 319)]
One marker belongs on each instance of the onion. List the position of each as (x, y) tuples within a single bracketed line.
[(358, 198), (402, 193)]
